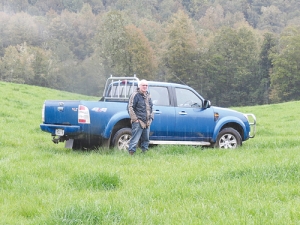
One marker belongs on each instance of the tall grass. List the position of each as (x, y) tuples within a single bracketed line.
[(44, 183)]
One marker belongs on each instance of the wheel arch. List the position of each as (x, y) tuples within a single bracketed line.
[(234, 123), (235, 126), (120, 119), (123, 123)]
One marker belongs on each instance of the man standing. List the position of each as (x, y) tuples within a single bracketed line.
[(140, 112)]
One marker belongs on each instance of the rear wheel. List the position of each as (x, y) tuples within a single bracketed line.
[(121, 139), (228, 138), (77, 144), (88, 143)]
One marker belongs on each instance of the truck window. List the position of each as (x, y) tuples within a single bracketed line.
[(120, 90), (159, 95), (187, 98)]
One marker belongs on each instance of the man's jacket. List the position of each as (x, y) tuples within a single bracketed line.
[(140, 108)]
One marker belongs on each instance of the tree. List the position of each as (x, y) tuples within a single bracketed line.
[(195, 8), (27, 64), (73, 5), (91, 79), (70, 35), (112, 39), (21, 28), (15, 6), (16, 64), (272, 19), (213, 19), (43, 65), (45, 6), (181, 49), (97, 6), (4, 18), (285, 77), (140, 58), (231, 67), (265, 64)]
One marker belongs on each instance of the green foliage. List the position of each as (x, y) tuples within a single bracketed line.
[(73, 5), (232, 65), (71, 33), (140, 56), (181, 49), (265, 64), (97, 5), (113, 41), (285, 78), (27, 64), (271, 19), (74, 45), (16, 64), (19, 28)]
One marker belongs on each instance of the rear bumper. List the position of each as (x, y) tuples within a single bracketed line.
[(68, 130)]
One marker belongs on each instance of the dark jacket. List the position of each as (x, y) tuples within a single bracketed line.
[(140, 108)]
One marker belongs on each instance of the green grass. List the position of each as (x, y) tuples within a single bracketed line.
[(44, 183)]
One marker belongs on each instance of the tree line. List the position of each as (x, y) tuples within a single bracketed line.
[(234, 53)]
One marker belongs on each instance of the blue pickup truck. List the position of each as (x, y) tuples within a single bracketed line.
[(181, 117)]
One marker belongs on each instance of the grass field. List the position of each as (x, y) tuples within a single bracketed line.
[(44, 183)]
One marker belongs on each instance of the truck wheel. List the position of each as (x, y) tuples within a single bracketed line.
[(89, 143), (77, 144), (122, 138), (228, 138)]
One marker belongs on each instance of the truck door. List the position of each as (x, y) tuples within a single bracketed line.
[(193, 122), (163, 125)]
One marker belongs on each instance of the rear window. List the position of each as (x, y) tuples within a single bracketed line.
[(121, 89)]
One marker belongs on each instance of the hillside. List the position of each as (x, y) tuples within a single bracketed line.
[(243, 48), (21, 114), (43, 183)]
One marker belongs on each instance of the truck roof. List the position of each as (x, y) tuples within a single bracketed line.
[(120, 88)]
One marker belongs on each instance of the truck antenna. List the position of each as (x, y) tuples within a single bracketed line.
[(179, 79)]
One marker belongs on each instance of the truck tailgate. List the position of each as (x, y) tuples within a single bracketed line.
[(64, 112)]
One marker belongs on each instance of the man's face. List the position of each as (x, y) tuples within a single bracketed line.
[(143, 87)]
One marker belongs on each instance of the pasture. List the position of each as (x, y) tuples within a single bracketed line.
[(44, 183)]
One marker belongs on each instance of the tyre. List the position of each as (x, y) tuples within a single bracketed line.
[(77, 144), (121, 139), (88, 143), (228, 138)]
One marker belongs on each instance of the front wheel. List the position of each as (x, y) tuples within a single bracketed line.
[(228, 138), (121, 139)]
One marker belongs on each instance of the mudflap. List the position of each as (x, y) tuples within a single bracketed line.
[(69, 143)]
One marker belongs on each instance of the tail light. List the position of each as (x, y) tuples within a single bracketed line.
[(43, 113), (83, 114)]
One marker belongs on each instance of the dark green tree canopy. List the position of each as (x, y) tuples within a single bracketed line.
[(240, 52)]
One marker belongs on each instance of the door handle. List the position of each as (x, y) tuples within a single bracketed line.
[(157, 112), (182, 113)]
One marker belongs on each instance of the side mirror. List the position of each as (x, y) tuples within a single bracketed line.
[(206, 104)]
